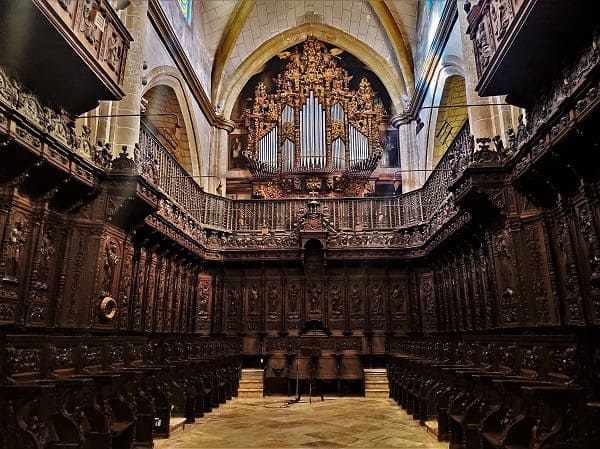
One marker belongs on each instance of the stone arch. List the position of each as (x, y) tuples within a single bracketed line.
[(252, 65), (166, 89), (451, 69)]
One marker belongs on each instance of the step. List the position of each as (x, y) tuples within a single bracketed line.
[(176, 424), (250, 393), (251, 379), (252, 374), (377, 393), (376, 379), (246, 385), (431, 427)]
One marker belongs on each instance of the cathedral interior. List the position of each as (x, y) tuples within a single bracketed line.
[(206, 202)]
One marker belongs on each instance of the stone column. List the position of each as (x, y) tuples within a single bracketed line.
[(219, 157), (127, 129), (409, 152)]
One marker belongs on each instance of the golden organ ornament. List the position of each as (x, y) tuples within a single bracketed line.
[(313, 135)]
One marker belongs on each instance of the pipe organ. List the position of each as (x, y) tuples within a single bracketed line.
[(313, 134)]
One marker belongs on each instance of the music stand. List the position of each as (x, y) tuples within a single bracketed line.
[(314, 354)]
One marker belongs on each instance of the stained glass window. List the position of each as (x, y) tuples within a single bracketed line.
[(186, 9)]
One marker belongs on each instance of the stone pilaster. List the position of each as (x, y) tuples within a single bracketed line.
[(218, 162), (409, 152)]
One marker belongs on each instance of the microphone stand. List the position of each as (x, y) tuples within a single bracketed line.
[(297, 381)]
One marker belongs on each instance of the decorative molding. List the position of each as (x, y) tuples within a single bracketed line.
[(167, 35), (447, 21)]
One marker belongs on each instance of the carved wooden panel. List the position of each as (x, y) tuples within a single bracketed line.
[(293, 303), (377, 298), (204, 297), (538, 274), (428, 304), (124, 296), (273, 302), (254, 304), (355, 292), (233, 299), (566, 269), (588, 255), (336, 302), (398, 302)]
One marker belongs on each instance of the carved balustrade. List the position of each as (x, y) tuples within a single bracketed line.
[(157, 165), (247, 216), (26, 121)]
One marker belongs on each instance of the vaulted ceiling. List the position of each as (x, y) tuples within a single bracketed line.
[(242, 35)]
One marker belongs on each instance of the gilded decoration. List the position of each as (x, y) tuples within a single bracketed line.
[(314, 134)]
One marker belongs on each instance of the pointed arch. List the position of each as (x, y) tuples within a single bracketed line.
[(253, 64), (228, 39), (170, 77)]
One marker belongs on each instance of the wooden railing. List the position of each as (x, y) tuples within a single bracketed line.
[(160, 167), (215, 212)]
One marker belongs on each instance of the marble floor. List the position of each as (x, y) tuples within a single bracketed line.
[(345, 422)]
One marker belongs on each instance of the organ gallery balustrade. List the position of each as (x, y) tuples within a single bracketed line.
[(282, 215)]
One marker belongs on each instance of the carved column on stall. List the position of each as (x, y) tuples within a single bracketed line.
[(204, 303), (42, 278), (589, 254), (428, 308), (139, 289), (125, 295), (566, 263), (150, 290), (14, 259)]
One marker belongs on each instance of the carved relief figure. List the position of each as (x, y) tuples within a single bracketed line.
[(203, 298), (274, 297), (113, 51), (253, 299), (501, 16), (234, 297), (502, 247), (336, 299), (293, 297), (88, 25), (315, 297), (483, 47), (356, 298), (111, 260), (45, 253), (377, 299), (396, 299), (14, 249)]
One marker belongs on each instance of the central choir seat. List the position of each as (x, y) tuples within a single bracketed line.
[(299, 374), (352, 374)]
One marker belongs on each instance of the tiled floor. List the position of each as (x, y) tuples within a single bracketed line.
[(336, 423)]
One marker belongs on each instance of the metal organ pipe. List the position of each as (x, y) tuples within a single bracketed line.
[(323, 140)]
